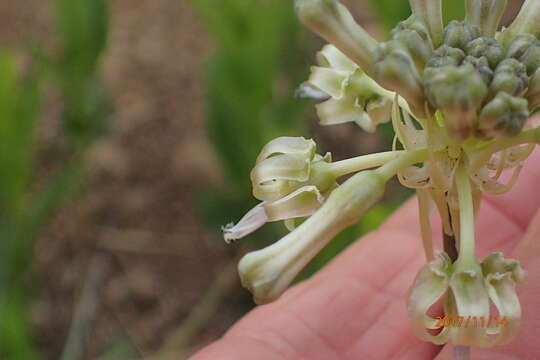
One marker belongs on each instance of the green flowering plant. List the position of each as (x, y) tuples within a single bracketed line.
[(459, 99)]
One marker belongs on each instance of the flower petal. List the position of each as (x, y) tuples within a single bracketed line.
[(253, 220), (332, 112), (501, 277), (331, 57), (296, 146), (430, 285), (471, 303), (302, 202), (502, 291), (333, 82), (278, 176)]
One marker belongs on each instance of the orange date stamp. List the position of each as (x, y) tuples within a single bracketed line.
[(471, 321)]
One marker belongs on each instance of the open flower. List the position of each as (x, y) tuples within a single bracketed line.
[(290, 179), (466, 290), (353, 95)]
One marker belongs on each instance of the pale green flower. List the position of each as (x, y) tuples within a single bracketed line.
[(353, 96), (467, 290), (290, 179)]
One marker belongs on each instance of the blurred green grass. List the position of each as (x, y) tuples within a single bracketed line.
[(25, 207)]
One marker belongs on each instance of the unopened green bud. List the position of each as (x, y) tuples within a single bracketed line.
[(458, 91), (488, 48), (481, 65), (526, 22), (486, 14), (510, 77), (395, 70), (505, 115), (459, 34), (531, 58), (445, 55), (419, 49), (430, 13), (333, 22), (520, 45)]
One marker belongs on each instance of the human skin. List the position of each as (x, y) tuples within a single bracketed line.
[(355, 308)]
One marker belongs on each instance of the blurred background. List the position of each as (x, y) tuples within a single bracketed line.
[(127, 133)]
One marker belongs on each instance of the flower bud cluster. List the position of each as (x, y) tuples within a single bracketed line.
[(482, 88)]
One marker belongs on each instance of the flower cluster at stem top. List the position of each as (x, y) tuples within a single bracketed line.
[(459, 99)]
